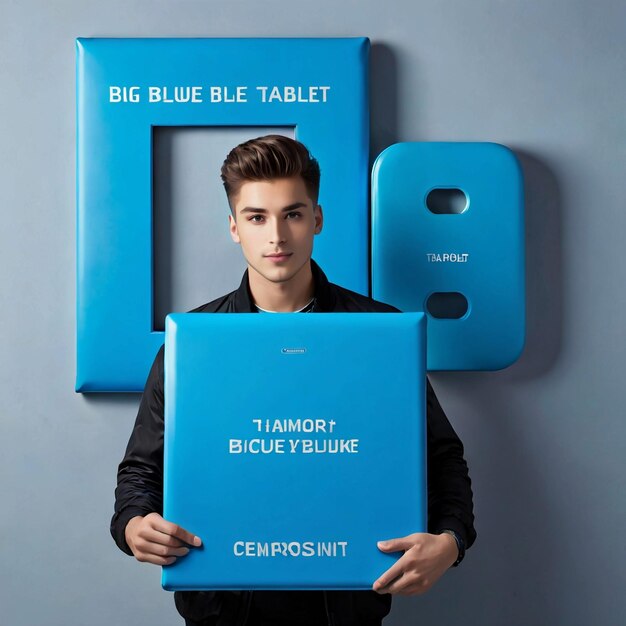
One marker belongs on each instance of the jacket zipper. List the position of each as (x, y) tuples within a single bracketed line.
[(331, 621)]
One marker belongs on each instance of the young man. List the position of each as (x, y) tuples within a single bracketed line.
[(272, 185)]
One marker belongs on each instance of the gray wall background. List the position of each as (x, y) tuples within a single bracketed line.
[(544, 439)]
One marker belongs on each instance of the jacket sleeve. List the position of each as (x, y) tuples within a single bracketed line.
[(140, 474), (450, 503)]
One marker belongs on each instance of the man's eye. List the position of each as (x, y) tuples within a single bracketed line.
[(294, 213), (253, 218)]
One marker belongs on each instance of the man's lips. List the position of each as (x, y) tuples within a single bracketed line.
[(280, 255)]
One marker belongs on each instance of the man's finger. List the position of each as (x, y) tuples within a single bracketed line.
[(397, 544), (157, 549), (156, 560), (177, 531), (395, 586), (156, 536), (407, 585), (397, 569)]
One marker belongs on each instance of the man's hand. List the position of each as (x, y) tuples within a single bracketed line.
[(426, 557), (154, 540)]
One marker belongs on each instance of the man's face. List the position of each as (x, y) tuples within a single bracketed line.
[(275, 224)]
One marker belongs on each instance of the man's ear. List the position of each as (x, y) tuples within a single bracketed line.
[(232, 226), (319, 219)]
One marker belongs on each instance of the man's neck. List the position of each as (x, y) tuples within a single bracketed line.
[(283, 297)]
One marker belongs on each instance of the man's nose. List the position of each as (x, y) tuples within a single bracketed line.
[(278, 233)]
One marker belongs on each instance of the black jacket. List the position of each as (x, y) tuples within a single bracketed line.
[(140, 474)]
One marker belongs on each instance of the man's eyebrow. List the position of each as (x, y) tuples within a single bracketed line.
[(291, 207)]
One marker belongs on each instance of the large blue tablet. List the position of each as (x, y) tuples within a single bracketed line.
[(293, 443)]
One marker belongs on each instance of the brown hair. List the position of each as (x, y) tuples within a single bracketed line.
[(266, 158)]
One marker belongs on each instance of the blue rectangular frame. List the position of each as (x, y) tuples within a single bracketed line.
[(115, 340)]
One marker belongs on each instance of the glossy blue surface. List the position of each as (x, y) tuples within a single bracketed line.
[(115, 339), (479, 252), (363, 371)]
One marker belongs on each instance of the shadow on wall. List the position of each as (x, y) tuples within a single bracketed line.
[(121, 399), (383, 99), (544, 269), (383, 95)]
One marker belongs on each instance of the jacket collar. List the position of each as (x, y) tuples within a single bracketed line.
[(324, 297)]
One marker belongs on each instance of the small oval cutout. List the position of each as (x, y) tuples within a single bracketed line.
[(449, 305), (446, 201)]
